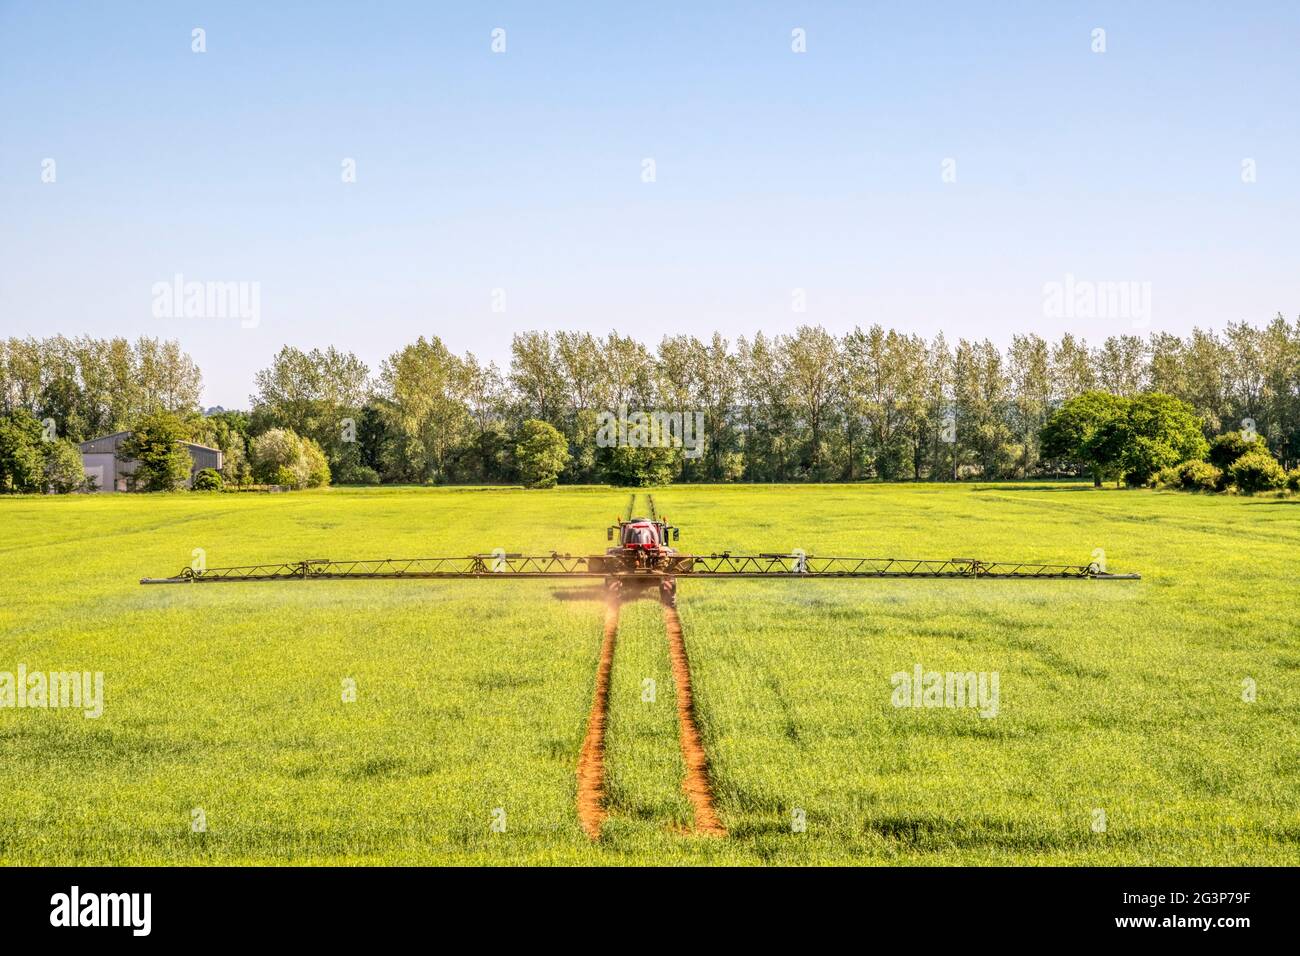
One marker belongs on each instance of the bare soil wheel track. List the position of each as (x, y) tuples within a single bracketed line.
[(591, 762), (696, 783)]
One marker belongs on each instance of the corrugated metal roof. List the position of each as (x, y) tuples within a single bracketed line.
[(92, 441)]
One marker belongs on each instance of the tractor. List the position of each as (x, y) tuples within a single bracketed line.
[(642, 559)]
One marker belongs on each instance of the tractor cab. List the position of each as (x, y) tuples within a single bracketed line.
[(641, 534)]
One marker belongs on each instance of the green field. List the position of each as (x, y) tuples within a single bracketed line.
[(1123, 697)]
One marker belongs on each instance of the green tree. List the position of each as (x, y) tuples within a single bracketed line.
[(1279, 344), (678, 380), (1198, 476), (94, 386), (1205, 358), (485, 393), (64, 472), (767, 419), (22, 460), (540, 454), (629, 375), (1228, 447), (719, 384), (166, 377), (1028, 362), (209, 479), (235, 467), (934, 446), (1121, 364), (428, 420), (1078, 434), (1168, 363), (1073, 372), (372, 436), (1156, 432), (272, 450), (318, 394), (535, 374), (873, 381), (1257, 471), (811, 357), (639, 467), (981, 398), (317, 466), (228, 432), (281, 457), (162, 462)]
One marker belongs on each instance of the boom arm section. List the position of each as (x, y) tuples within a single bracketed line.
[(500, 565)]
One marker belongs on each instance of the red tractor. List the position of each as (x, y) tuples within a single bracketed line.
[(642, 550)]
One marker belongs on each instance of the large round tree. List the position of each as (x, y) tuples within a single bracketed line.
[(540, 454)]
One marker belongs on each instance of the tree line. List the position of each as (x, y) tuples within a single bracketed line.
[(807, 406)]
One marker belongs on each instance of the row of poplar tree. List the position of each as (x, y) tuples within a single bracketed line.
[(808, 406)]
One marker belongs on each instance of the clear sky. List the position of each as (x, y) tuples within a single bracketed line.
[(523, 170)]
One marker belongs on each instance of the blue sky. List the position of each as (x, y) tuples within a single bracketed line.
[(522, 171)]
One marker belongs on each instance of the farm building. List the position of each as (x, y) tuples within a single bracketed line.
[(99, 458)]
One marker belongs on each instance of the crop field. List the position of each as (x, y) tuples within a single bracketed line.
[(1136, 722)]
